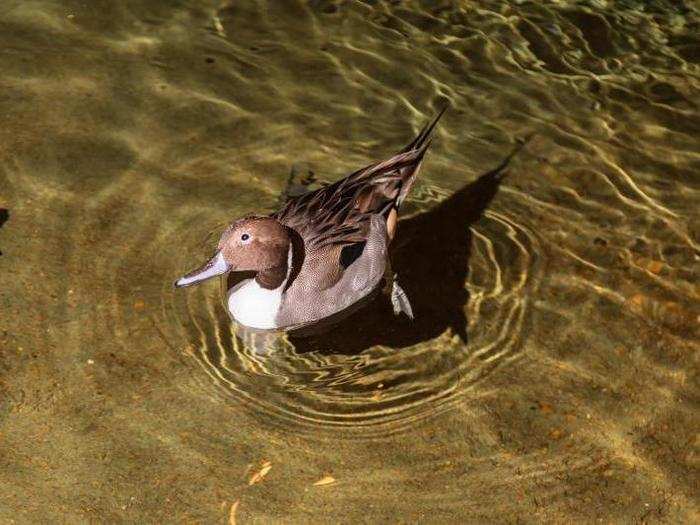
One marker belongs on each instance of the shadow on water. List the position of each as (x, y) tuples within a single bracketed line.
[(4, 217), (430, 256)]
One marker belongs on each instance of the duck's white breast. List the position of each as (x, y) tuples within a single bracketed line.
[(254, 306)]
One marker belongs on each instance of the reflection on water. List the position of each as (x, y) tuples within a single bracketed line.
[(551, 371)]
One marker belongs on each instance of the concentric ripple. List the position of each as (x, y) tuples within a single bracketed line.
[(380, 390)]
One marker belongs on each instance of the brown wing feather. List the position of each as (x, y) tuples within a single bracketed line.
[(339, 213)]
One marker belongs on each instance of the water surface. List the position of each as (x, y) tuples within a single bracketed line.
[(551, 373)]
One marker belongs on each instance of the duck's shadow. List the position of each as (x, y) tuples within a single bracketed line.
[(430, 256)]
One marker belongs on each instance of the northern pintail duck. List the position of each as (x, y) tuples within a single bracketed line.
[(322, 252)]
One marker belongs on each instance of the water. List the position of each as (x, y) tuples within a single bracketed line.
[(551, 373)]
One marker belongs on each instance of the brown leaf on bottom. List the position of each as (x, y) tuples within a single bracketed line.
[(232, 514), (260, 474), (325, 480)]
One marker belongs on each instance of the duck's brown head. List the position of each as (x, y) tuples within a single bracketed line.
[(254, 244)]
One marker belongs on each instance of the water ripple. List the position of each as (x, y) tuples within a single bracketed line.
[(557, 312), (380, 390)]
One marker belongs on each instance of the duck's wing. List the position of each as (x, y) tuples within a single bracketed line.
[(339, 214)]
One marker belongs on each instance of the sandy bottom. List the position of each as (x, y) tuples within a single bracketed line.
[(551, 374)]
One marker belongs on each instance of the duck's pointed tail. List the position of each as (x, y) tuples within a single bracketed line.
[(390, 181), (415, 151), (422, 141), (379, 188)]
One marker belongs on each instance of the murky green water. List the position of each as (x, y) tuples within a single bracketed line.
[(551, 374)]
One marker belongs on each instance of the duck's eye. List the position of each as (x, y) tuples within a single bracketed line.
[(245, 237)]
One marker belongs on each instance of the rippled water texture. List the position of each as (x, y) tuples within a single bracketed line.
[(551, 374)]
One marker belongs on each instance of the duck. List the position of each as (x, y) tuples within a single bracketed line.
[(323, 253)]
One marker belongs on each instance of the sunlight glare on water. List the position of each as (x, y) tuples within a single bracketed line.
[(550, 374)]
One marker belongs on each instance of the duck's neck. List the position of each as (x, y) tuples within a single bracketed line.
[(273, 278)]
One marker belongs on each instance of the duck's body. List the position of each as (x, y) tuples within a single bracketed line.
[(322, 252), (318, 291)]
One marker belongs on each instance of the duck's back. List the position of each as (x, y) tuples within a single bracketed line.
[(344, 230), (324, 287)]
